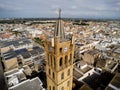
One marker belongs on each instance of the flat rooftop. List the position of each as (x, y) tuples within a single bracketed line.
[(90, 78), (33, 84), (9, 54), (116, 80), (76, 74), (84, 70), (24, 52), (28, 53)]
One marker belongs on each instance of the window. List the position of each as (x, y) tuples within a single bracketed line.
[(53, 88), (70, 58), (60, 63), (50, 48), (62, 75), (62, 88), (68, 83), (49, 87), (49, 72), (60, 50), (48, 58), (68, 73), (54, 63), (53, 75), (66, 58), (51, 60)]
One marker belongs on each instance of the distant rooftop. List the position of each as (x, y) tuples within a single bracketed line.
[(15, 42)]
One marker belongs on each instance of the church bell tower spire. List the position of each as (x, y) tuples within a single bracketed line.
[(59, 31)]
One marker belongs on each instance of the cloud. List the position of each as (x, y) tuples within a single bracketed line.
[(70, 8), (9, 7), (74, 7), (118, 3)]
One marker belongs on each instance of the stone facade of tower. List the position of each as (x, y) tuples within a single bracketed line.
[(59, 66), (59, 58)]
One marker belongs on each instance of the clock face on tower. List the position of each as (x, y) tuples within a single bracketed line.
[(50, 48), (65, 49)]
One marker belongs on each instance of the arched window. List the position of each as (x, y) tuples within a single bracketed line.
[(66, 58), (53, 75), (62, 75), (60, 50), (68, 83), (53, 88), (70, 58), (54, 63), (51, 59), (49, 87), (48, 59), (68, 73), (49, 72), (61, 62), (62, 88)]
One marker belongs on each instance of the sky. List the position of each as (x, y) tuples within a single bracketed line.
[(70, 8)]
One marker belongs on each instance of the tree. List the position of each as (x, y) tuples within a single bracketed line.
[(16, 33)]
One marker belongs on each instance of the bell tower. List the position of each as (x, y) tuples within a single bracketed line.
[(59, 59)]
